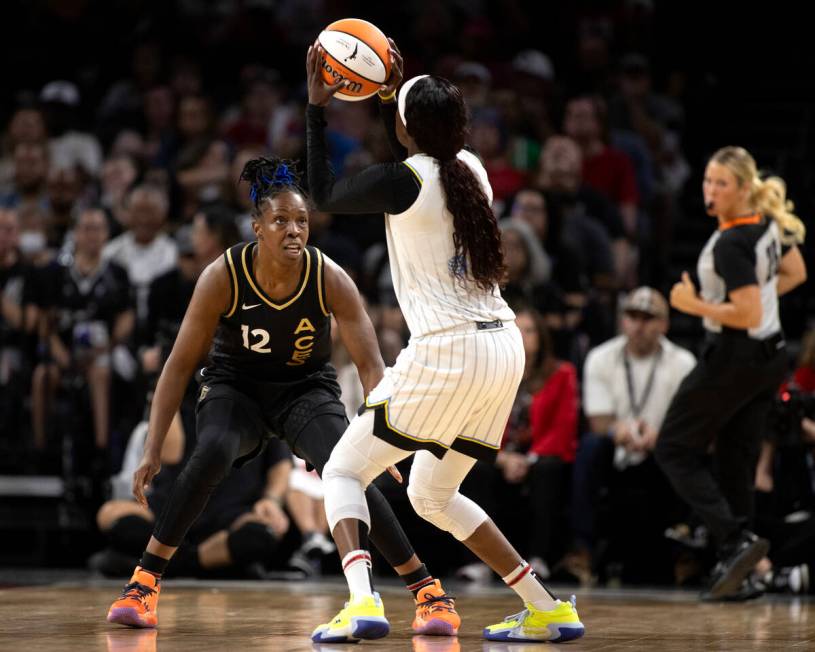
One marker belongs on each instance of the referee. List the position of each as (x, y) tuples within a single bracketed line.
[(749, 262)]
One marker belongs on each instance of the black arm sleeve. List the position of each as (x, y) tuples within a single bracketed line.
[(387, 111), (735, 261), (382, 188)]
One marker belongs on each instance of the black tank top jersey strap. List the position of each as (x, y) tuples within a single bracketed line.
[(267, 340)]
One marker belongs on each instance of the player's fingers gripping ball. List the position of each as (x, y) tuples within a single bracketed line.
[(357, 51)]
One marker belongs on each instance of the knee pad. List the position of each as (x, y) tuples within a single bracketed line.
[(452, 513), (250, 543), (130, 534)]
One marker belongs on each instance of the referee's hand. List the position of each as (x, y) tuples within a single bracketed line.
[(683, 295)]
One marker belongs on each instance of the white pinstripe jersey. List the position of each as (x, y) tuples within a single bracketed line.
[(422, 257)]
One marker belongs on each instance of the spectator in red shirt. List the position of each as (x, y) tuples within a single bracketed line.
[(605, 169)]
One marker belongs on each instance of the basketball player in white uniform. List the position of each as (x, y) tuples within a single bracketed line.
[(745, 266), (449, 394)]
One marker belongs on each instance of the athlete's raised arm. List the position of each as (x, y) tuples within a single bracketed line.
[(209, 301), (355, 327), (381, 188)]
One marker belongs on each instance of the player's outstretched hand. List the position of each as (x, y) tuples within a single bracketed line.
[(143, 476), (397, 72), (319, 93)]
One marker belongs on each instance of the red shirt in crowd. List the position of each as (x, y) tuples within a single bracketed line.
[(549, 427), (611, 173)]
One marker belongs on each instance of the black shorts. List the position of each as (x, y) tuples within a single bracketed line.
[(282, 411)]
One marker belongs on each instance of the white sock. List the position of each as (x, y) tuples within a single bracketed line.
[(523, 581), (356, 566)]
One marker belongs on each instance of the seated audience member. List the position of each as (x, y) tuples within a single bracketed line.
[(30, 171), (606, 169), (628, 383), (586, 217), (528, 266), (18, 317), (87, 311), (144, 250), (26, 125), (213, 230), (533, 466)]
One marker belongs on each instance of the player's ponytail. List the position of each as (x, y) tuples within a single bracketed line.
[(436, 118), (268, 177), (767, 196)]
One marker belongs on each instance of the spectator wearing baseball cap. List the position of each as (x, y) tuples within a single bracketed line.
[(628, 383)]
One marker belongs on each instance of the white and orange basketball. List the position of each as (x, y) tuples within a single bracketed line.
[(358, 51)]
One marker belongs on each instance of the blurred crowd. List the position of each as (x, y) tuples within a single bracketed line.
[(113, 199)]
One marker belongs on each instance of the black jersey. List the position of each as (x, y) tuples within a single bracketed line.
[(744, 252), (265, 340), (86, 306)]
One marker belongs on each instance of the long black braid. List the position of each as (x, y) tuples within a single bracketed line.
[(269, 177), (436, 118)]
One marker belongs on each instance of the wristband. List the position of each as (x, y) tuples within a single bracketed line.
[(387, 97)]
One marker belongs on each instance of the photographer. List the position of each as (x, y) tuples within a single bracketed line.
[(785, 480)]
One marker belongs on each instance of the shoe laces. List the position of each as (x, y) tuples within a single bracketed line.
[(138, 591), (518, 616), (441, 602)]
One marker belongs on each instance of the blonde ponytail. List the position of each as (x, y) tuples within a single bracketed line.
[(767, 196)]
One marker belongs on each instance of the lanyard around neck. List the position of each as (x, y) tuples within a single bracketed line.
[(637, 406)]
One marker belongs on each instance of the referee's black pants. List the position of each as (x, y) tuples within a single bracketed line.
[(722, 402)]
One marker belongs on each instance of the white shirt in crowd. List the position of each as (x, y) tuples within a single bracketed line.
[(143, 263), (606, 389)]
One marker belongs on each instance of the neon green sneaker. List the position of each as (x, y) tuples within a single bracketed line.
[(556, 625), (360, 618)]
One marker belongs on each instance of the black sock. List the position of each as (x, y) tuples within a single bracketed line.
[(418, 579), (153, 564)]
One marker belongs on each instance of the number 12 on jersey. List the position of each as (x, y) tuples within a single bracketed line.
[(262, 339)]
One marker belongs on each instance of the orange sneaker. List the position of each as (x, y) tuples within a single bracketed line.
[(138, 606), (435, 612)]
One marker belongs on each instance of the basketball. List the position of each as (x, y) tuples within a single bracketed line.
[(358, 51)]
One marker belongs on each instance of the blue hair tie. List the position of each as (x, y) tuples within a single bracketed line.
[(282, 176)]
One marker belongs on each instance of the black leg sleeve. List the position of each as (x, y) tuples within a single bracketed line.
[(314, 444), (225, 432)]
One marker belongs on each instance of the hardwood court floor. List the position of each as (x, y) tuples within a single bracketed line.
[(216, 616)]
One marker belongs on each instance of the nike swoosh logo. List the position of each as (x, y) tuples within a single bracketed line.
[(245, 307)]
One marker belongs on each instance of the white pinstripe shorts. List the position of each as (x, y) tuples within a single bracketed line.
[(451, 390)]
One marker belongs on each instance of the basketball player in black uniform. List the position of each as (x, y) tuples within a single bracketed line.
[(746, 265), (262, 311)]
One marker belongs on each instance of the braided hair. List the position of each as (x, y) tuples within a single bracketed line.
[(436, 119), (269, 177)]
